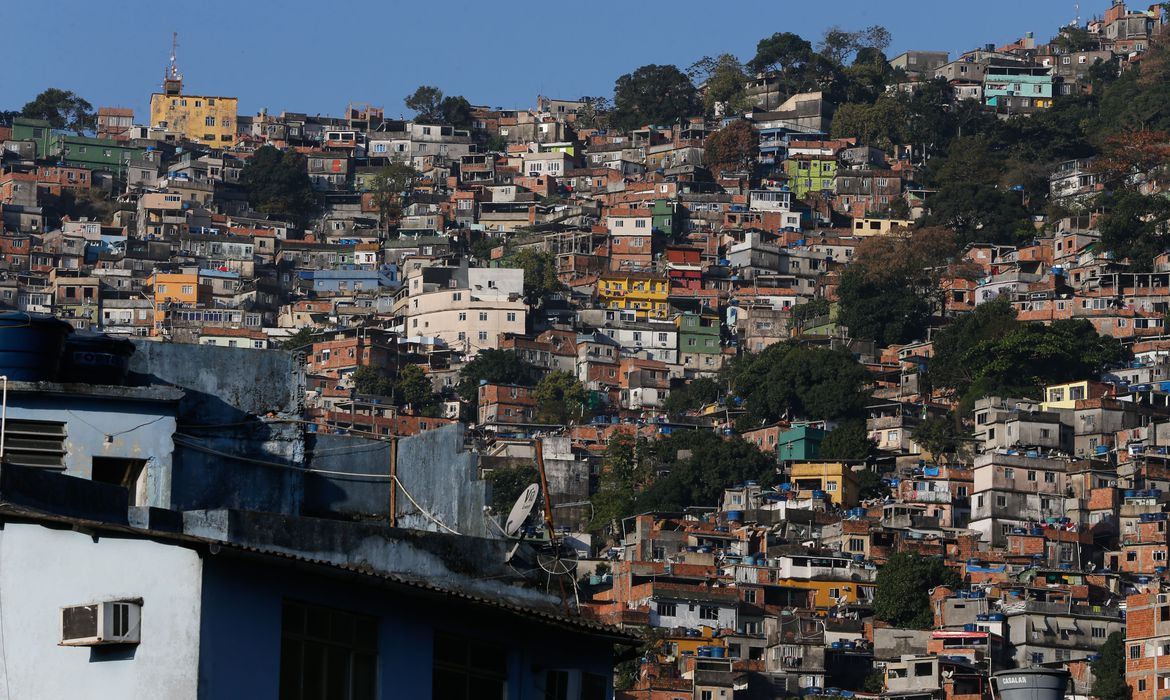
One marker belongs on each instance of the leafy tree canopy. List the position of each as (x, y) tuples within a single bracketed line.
[(62, 109), (734, 147), (430, 105), (507, 485), (788, 380), (849, 440), (990, 352), (496, 367), (540, 273), (1135, 227), (890, 291), (652, 94), (902, 595), (277, 182), (387, 188), (560, 399), (1109, 670), (693, 395)]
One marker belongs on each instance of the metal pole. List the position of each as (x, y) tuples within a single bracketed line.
[(393, 481), (548, 514), (3, 416)]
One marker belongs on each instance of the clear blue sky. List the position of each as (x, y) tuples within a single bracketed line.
[(316, 57)]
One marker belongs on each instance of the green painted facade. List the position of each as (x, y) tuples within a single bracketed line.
[(664, 216), (799, 442), (811, 175), (698, 333), (96, 154), (38, 130)]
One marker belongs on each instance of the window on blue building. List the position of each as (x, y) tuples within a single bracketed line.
[(466, 669), (327, 654)]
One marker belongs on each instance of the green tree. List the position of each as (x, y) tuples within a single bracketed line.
[(902, 591), (803, 314), (788, 380), (1109, 670), (990, 353), (427, 103), (724, 82), (734, 147), (301, 340), (938, 436), (1135, 227), (540, 273), (456, 111), (701, 464), (508, 483), (892, 288), (624, 472), (387, 188), (693, 395), (594, 113), (495, 367), (881, 124), (1072, 39), (372, 381), (62, 109), (278, 183), (414, 389), (652, 94), (849, 440), (560, 399)]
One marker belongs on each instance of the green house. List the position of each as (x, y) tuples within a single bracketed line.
[(664, 217), (811, 174), (799, 442), (96, 154), (36, 130), (698, 332)]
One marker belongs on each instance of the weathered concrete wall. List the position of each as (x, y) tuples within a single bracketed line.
[(351, 496), (434, 468), (240, 442), (568, 482)]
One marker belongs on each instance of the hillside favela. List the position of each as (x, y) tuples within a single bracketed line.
[(837, 369)]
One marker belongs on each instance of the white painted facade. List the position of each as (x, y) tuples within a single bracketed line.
[(43, 570)]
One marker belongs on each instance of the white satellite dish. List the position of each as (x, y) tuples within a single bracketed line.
[(521, 510)]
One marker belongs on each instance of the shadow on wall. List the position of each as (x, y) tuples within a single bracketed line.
[(240, 442)]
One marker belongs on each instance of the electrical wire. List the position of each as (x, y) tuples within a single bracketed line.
[(186, 441)]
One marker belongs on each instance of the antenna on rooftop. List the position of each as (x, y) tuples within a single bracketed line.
[(172, 78)]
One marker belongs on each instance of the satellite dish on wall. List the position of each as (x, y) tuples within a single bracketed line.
[(521, 510)]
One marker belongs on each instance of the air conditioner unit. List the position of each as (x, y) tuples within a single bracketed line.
[(112, 622)]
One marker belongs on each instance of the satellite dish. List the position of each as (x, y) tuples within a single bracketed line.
[(557, 559), (521, 510)]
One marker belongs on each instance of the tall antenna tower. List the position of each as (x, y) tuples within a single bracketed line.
[(172, 78)]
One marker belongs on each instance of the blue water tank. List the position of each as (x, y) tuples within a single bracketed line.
[(31, 346), (96, 358), (734, 516), (717, 652)]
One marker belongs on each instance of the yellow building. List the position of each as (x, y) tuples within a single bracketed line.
[(881, 227), (644, 294), (829, 593), (1067, 395), (203, 118), (837, 479)]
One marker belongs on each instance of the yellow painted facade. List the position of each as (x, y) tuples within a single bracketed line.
[(829, 594), (208, 120), (836, 479), (644, 295), (1064, 395)]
